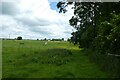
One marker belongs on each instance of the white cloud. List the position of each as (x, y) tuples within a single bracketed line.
[(34, 19)]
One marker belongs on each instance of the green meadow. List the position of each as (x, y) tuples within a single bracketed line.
[(57, 59)]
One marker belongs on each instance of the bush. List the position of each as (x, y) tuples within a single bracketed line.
[(19, 38), (108, 37)]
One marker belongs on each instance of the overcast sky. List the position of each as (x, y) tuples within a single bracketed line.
[(33, 19)]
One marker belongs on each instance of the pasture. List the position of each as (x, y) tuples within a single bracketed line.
[(34, 59)]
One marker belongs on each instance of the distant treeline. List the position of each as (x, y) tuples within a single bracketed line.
[(6, 39), (51, 39), (37, 39), (20, 38)]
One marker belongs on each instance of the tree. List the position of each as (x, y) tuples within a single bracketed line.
[(98, 29), (62, 39), (91, 23), (83, 19), (45, 39), (19, 38)]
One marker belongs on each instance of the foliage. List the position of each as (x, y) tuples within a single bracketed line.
[(108, 39), (19, 38), (58, 39), (93, 22), (97, 28)]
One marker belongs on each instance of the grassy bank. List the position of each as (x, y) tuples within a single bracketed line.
[(34, 59)]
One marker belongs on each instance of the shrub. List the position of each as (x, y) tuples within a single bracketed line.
[(19, 38)]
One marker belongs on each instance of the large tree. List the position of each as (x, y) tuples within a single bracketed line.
[(87, 20)]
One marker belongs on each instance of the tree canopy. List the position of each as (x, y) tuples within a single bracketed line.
[(19, 38), (97, 25)]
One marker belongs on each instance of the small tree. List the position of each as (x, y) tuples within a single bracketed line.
[(62, 39), (19, 38), (45, 39)]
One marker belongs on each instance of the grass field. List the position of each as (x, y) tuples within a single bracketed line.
[(33, 59)]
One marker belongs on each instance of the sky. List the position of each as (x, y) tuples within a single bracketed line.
[(34, 19)]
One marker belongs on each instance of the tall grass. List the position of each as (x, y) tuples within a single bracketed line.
[(34, 59), (108, 63)]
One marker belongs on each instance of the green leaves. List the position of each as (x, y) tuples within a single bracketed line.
[(108, 36), (97, 25)]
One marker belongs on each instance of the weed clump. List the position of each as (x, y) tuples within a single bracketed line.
[(56, 57)]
